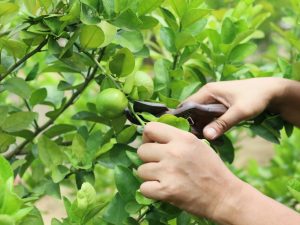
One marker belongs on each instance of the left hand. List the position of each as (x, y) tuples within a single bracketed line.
[(184, 171)]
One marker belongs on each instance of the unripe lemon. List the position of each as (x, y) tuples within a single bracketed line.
[(111, 103)]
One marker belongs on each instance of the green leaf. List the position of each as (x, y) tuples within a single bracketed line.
[(265, 132), (148, 6), (240, 52), (170, 19), (168, 38), (115, 212), (141, 199), (49, 152), (79, 147), (228, 31), (33, 217), (110, 32), (5, 141), (91, 36), (3, 113), (179, 6), (133, 40), (38, 96), (89, 15), (86, 196), (11, 202), (109, 7), (123, 63), (174, 121), (59, 173), (7, 8), (128, 19), (294, 188), (184, 39), (184, 219), (59, 129), (134, 158), (127, 135), (7, 220), (289, 128), (18, 121), (192, 16), (162, 76), (170, 102), (126, 183), (215, 39), (18, 86), (116, 156), (89, 116), (13, 47), (6, 171), (33, 72), (223, 146)]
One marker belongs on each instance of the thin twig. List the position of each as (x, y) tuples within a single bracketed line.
[(30, 110), (17, 150), (141, 217), (24, 59)]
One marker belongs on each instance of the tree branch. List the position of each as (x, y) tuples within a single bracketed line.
[(24, 59), (71, 101)]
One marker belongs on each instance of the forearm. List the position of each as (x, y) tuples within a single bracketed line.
[(287, 103), (249, 207)]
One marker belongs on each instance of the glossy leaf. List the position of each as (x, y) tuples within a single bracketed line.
[(91, 36)]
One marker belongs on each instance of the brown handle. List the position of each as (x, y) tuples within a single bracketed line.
[(199, 115)]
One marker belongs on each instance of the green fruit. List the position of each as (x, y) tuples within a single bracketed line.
[(139, 86), (144, 84), (111, 103)]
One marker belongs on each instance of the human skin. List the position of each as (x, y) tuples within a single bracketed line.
[(184, 171), (248, 98)]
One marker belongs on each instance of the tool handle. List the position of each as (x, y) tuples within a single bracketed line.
[(199, 115)]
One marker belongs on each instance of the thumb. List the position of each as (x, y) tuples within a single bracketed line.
[(219, 126)]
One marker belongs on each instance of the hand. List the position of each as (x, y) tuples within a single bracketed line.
[(244, 99), (184, 171)]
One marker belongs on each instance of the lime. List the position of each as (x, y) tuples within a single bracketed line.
[(139, 86), (111, 103)]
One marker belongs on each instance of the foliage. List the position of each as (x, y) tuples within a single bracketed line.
[(55, 58)]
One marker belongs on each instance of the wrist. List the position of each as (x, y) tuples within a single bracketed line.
[(234, 205), (279, 93)]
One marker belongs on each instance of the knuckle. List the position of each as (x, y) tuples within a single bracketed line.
[(208, 87), (140, 150), (173, 152), (149, 127), (144, 189), (140, 171), (170, 191), (222, 124), (188, 137)]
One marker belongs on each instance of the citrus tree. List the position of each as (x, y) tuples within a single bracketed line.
[(70, 68)]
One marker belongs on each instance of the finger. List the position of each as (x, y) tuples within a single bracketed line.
[(233, 116), (150, 152), (149, 171), (151, 189), (203, 96), (159, 133)]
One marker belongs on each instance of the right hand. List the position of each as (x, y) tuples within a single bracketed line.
[(244, 99)]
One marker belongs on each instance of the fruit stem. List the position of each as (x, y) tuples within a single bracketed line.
[(136, 115)]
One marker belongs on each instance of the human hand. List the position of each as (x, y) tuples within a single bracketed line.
[(244, 99), (184, 171)]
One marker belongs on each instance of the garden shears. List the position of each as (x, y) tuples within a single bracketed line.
[(198, 115)]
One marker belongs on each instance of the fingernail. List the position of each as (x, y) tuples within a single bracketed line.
[(210, 132)]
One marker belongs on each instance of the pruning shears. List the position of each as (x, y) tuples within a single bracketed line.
[(198, 115)]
